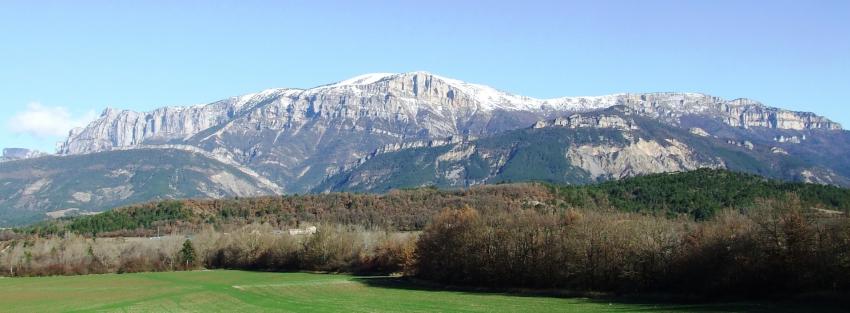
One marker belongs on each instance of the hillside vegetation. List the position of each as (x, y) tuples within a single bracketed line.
[(695, 195), (700, 193)]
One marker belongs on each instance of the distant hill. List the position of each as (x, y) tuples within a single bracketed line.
[(11, 154), (83, 184), (697, 194)]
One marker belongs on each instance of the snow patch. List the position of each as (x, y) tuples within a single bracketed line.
[(364, 79)]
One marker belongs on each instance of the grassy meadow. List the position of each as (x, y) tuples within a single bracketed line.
[(242, 291)]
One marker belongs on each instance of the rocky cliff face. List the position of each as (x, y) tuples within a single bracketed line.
[(589, 121), (744, 113), (123, 128), (747, 113), (416, 104)]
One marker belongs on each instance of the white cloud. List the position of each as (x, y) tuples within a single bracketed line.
[(47, 121)]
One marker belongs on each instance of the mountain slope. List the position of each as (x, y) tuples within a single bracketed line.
[(30, 189), (585, 148)]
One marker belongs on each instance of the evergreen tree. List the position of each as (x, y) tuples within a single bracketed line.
[(187, 254)]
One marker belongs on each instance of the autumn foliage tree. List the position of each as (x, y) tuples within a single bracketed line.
[(786, 250)]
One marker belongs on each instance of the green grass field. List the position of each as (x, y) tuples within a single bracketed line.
[(240, 291)]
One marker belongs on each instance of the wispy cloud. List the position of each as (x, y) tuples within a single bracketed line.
[(47, 121)]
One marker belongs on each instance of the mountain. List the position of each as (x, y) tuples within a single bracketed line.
[(296, 137), (590, 147), (34, 189), (11, 154), (299, 140)]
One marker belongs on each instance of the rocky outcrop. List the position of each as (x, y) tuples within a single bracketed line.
[(789, 139), (422, 143), (606, 161), (746, 113), (699, 132), (745, 144), (818, 176), (778, 150), (589, 121)]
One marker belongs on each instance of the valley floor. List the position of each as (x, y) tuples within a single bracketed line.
[(241, 291)]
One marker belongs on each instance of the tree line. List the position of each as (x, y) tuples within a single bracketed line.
[(768, 249), (772, 248)]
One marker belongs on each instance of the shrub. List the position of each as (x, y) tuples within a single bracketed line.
[(331, 249)]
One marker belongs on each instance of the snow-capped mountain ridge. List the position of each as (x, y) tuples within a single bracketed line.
[(492, 98), (417, 105)]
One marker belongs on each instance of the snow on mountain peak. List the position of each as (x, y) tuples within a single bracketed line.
[(364, 79)]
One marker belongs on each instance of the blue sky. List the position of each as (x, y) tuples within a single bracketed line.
[(63, 62)]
